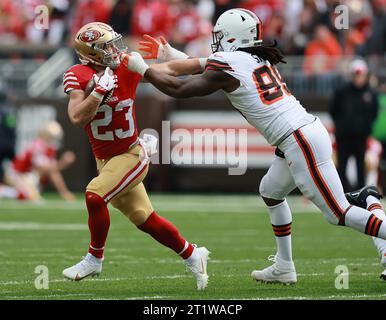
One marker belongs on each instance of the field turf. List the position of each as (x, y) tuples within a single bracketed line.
[(235, 229)]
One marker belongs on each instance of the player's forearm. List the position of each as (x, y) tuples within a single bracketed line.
[(82, 113), (167, 84), (58, 182), (181, 67)]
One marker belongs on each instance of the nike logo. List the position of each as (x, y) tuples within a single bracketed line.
[(277, 273)]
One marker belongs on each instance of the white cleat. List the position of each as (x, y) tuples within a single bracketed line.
[(280, 272), (383, 258), (89, 266), (197, 264)]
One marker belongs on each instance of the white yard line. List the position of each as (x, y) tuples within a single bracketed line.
[(174, 203), (13, 226)]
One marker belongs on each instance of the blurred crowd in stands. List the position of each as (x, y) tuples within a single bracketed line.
[(302, 27)]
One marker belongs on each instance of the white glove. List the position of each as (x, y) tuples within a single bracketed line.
[(149, 143), (160, 50), (104, 84), (134, 62)]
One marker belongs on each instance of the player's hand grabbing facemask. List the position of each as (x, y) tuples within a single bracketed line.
[(134, 62), (161, 50)]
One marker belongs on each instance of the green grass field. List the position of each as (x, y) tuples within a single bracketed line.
[(235, 228)]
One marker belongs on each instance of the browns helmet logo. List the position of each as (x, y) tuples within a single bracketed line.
[(90, 35)]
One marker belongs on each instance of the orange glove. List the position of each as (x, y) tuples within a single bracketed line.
[(161, 50)]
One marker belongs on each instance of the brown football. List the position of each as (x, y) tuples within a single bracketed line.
[(91, 85)]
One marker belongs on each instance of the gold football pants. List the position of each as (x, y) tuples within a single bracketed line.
[(120, 182)]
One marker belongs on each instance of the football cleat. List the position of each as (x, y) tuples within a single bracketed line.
[(383, 258), (280, 272), (358, 197), (383, 275), (89, 266), (197, 264)]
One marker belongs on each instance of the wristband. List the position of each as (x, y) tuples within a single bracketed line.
[(97, 95)]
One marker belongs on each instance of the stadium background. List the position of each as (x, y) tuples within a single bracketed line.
[(33, 60)]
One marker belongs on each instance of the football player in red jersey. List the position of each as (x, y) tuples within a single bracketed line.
[(37, 164), (108, 116)]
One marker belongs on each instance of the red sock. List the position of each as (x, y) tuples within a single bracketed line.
[(167, 234), (98, 223)]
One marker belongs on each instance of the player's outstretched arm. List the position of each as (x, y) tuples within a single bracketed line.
[(181, 67), (197, 85)]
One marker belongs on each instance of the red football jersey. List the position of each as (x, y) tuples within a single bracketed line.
[(37, 153), (113, 130)]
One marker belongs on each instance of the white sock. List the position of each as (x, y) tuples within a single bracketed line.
[(281, 220), (375, 207), (365, 222)]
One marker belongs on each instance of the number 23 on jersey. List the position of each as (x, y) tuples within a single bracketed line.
[(125, 105)]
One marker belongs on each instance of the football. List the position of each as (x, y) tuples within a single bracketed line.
[(91, 85)]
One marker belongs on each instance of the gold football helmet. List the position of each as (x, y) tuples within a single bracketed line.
[(52, 133), (99, 44)]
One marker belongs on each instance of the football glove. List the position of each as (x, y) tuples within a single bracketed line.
[(134, 62), (160, 50), (104, 84)]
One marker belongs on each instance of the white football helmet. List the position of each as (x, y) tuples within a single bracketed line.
[(237, 28)]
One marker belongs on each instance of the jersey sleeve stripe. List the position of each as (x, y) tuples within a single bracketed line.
[(215, 68), (70, 78), (217, 62)]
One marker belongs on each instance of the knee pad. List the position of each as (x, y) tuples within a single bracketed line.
[(267, 189), (94, 202)]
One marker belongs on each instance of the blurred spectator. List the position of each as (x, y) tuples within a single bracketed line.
[(322, 52), (201, 46), (11, 22), (32, 168), (376, 42), (302, 23), (264, 9), (354, 108), (223, 5), (88, 11), (185, 22), (379, 131), (7, 131), (58, 19), (151, 17), (121, 16)]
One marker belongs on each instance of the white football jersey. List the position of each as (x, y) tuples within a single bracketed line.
[(262, 98)]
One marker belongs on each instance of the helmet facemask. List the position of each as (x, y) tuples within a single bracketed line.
[(216, 41), (111, 51)]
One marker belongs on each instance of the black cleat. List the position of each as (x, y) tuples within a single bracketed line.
[(358, 197)]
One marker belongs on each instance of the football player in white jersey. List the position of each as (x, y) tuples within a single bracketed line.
[(244, 68)]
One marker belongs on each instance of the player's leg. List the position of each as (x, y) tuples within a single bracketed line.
[(308, 153), (369, 198), (135, 204), (274, 187), (26, 185), (115, 175)]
